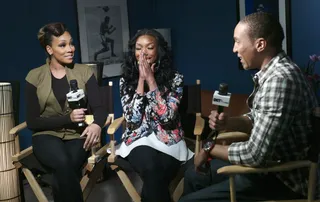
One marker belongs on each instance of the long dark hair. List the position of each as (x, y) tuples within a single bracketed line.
[(164, 72)]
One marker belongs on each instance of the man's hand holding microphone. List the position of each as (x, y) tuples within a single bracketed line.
[(217, 122), (218, 119)]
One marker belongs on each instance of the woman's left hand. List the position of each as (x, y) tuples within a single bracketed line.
[(92, 133), (148, 70)]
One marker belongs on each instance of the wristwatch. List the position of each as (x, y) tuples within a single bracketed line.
[(208, 146)]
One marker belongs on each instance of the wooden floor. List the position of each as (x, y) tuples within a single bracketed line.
[(108, 190)]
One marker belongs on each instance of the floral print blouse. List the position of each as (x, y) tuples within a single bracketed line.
[(154, 111)]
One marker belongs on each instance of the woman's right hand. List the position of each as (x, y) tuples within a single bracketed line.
[(78, 115), (142, 68)]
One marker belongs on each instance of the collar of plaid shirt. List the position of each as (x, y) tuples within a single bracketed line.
[(266, 70)]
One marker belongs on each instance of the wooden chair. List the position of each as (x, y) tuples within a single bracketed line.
[(190, 111), (312, 163), (93, 168)]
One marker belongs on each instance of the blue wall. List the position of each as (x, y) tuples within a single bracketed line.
[(305, 30), (202, 38), (21, 52)]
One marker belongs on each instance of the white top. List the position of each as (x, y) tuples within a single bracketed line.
[(179, 151)]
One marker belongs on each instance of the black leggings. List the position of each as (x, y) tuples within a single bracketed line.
[(64, 159), (156, 170)]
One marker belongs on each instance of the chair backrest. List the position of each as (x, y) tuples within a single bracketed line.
[(107, 102), (105, 91), (190, 105), (192, 98), (107, 97), (313, 155), (97, 68), (314, 150)]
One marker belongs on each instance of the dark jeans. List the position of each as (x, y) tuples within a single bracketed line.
[(156, 170), (64, 159), (249, 187)]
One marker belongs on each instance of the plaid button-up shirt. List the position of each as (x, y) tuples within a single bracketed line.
[(280, 108)]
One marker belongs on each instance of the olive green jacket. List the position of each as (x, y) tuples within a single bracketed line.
[(49, 106)]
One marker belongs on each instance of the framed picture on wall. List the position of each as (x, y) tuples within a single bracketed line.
[(279, 8), (104, 33)]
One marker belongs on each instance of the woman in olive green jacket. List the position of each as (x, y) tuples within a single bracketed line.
[(59, 144)]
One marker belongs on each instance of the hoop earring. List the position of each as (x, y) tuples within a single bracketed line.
[(135, 65), (157, 66)]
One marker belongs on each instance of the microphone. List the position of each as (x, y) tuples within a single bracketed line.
[(221, 98), (76, 98)]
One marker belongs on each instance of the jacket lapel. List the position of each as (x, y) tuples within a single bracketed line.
[(45, 92), (44, 88)]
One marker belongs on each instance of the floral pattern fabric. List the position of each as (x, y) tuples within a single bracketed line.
[(155, 111)]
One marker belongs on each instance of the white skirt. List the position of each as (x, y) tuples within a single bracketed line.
[(179, 151)]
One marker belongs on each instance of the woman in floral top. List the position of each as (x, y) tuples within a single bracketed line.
[(150, 93)]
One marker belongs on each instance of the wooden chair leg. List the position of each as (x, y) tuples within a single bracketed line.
[(232, 189), (313, 179), (84, 182), (89, 180), (34, 185), (127, 184), (178, 191)]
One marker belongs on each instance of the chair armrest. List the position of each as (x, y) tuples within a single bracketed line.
[(112, 157), (199, 125), (24, 153), (198, 129), (229, 137), (89, 119), (96, 157), (15, 130), (109, 120), (238, 169), (111, 130), (115, 125)]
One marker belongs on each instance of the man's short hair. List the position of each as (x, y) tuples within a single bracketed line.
[(265, 25)]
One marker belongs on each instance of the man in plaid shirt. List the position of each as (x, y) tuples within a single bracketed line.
[(278, 123)]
